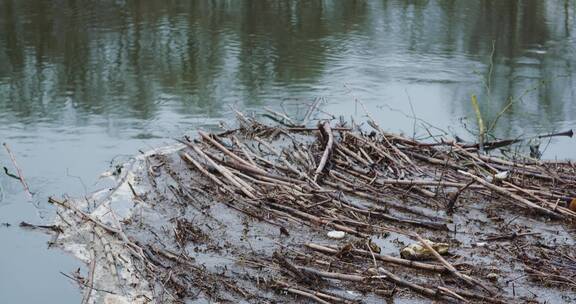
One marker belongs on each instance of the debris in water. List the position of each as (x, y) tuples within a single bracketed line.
[(501, 175), (417, 251), (335, 234), (492, 276)]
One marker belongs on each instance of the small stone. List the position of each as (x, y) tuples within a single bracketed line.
[(492, 276), (336, 234), (572, 205)]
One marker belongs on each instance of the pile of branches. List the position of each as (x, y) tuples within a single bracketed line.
[(368, 184)]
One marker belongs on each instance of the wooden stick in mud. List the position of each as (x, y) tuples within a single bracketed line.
[(335, 275), (560, 209), (326, 131), (244, 150), (226, 151), (225, 172), (381, 257), (313, 292), (20, 175), (469, 294), (90, 284), (198, 166), (454, 197), (516, 198), (418, 288), (255, 171), (306, 294), (315, 219), (452, 269), (452, 294)]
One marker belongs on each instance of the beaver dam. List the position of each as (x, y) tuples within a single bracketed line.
[(334, 213)]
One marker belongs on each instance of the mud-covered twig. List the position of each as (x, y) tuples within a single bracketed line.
[(418, 288), (452, 269), (306, 293), (515, 198), (90, 283), (381, 257), (454, 197)]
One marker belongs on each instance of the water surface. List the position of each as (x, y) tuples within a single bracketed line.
[(84, 85)]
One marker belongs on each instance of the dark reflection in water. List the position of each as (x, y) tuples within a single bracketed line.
[(126, 58), (83, 81)]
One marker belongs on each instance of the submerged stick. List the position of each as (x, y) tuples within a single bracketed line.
[(310, 111), (490, 145), (568, 133), (20, 175), (279, 118)]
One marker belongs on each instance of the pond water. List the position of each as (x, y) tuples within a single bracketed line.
[(84, 85)]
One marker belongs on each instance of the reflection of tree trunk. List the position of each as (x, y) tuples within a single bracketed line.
[(567, 18), (12, 46), (512, 32), (510, 81), (95, 53)]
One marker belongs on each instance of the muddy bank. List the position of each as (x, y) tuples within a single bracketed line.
[(263, 214)]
